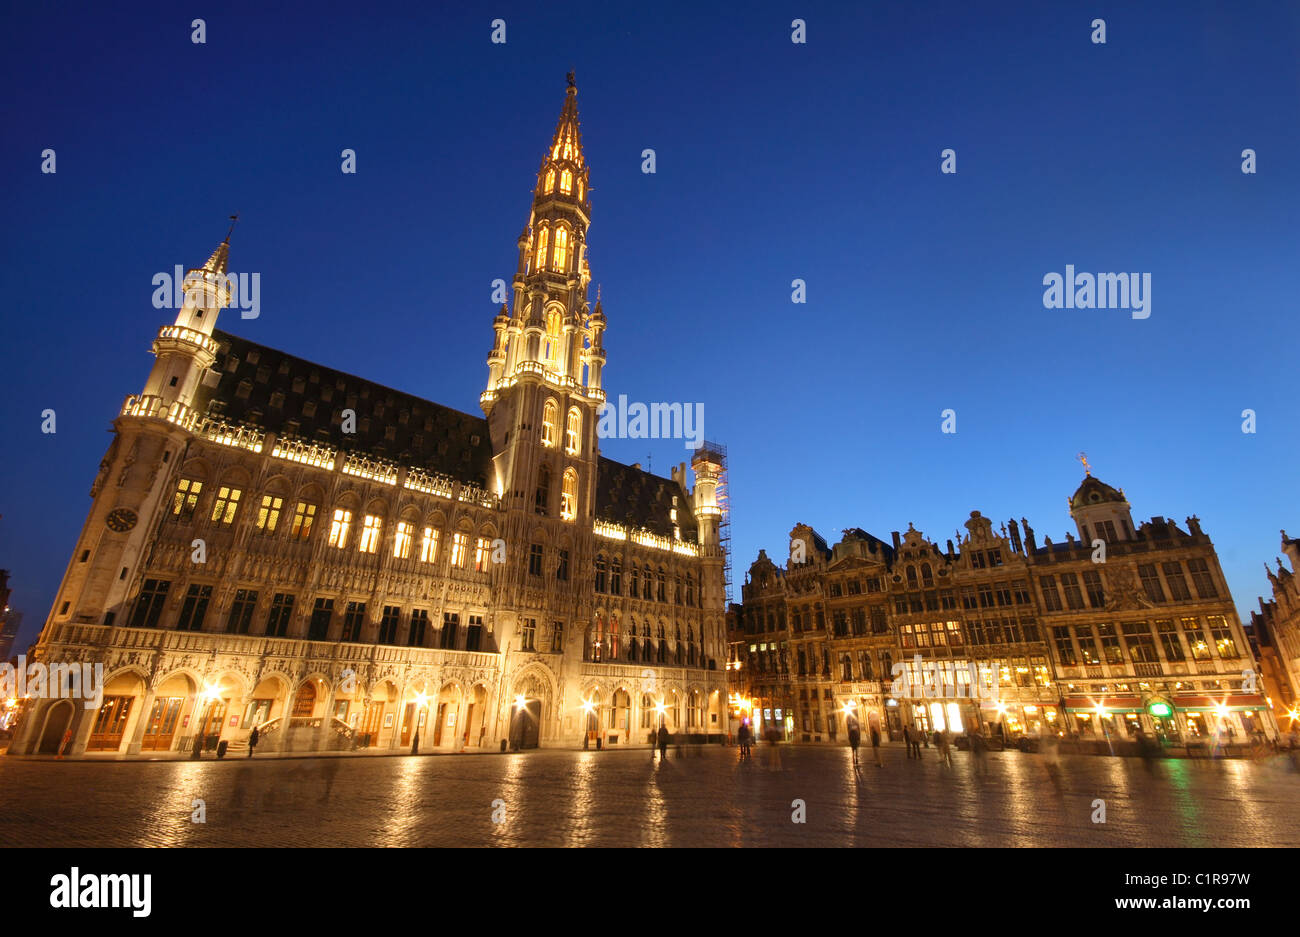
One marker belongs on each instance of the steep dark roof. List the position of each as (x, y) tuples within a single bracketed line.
[(633, 496), (425, 435)]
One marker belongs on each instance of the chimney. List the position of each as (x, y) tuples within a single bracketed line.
[(898, 541)]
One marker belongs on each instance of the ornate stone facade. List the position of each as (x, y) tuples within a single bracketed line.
[(274, 543), (1124, 628)]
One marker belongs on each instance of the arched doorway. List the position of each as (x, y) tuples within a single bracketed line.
[(444, 728), (164, 715), (472, 732), (58, 720), (525, 723)]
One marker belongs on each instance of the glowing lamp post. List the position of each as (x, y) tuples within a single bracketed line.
[(587, 708), (210, 693)]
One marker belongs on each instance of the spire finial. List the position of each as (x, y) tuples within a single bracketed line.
[(598, 300), (1083, 457), (573, 82), (234, 220)]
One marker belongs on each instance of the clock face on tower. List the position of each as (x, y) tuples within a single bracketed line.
[(121, 520)]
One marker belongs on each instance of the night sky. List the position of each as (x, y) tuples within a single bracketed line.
[(775, 161)]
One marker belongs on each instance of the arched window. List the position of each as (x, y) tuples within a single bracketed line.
[(550, 181), (632, 642), (573, 431), (647, 711), (539, 258), (660, 589), (569, 496), (543, 497), (690, 589), (611, 639), (680, 650), (911, 576), (550, 417), (663, 646), (551, 344), (847, 664), (636, 578), (600, 572), (645, 582), (927, 574), (566, 177), (581, 190), (864, 663), (616, 577), (561, 248)]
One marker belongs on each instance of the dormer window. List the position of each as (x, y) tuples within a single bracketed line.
[(566, 177)]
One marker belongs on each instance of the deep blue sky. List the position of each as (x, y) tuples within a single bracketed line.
[(775, 161)]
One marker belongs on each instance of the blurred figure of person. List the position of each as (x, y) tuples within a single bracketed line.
[(907, 739), (875, 744), (944, 745), (252, 741), (978, 750), (742, 737), (663, 744), (855, 736)]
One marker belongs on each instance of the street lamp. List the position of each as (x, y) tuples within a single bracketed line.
[(209, 694), (587, 708)]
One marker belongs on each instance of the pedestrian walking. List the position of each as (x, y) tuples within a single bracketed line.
[(252, 741), (742, 738), (944, 745), (663, 743), (875, 744), (855, 737), (907, 740)]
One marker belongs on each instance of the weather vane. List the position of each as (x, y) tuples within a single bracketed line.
[(1083, 457), (234, 219)]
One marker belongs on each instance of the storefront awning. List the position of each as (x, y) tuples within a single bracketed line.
[(1234, 703), (1112, 704)]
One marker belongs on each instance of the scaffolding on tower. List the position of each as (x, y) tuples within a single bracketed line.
[(723, 497)]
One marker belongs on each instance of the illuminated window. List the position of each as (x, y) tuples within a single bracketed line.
[(303, 516), (566, 177), (339, 528), (581, 189), (482, 554), (539, 258), (187, 497), (429, 546), (569, 497), (549, 419), (561, 248), (572, 431), (402, 545), (568, 151), (268, 515), (370, 533), (459, 542), (550, 181), (223, 508)]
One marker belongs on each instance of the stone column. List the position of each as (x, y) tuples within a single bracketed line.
[(141, 722)]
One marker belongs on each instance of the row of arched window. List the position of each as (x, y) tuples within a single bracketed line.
[(572, 427), (553, 253), (643, 582), (604, 641), (568, 493)]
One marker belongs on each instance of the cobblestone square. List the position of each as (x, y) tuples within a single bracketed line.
[(704, 797)]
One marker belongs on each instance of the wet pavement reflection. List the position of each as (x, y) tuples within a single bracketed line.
[(698, 797)]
